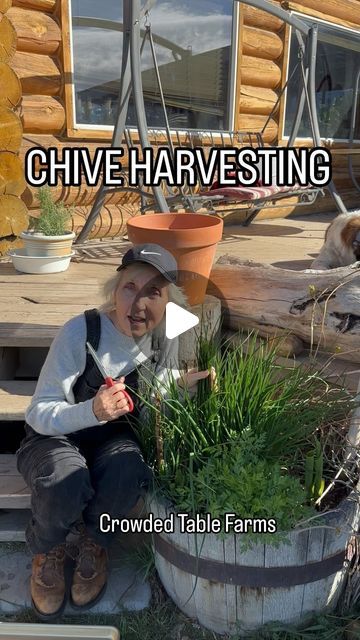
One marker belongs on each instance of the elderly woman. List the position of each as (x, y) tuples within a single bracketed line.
[(80, 456)]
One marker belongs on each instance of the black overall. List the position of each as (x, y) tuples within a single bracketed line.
[(88, 472)]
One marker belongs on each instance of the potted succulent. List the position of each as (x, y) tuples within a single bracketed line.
[(48, 241), (264, 444)]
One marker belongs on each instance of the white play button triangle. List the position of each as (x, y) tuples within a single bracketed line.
[(178, 320)]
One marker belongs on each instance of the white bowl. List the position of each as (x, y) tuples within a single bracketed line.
[(39, 264)]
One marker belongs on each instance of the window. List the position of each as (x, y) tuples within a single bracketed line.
[(337, 65), (193, 41)]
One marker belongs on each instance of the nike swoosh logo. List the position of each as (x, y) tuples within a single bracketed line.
[(150, 253)]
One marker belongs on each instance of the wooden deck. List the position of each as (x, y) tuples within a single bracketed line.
[(33, 308)]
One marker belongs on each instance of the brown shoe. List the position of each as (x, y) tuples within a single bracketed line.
[(90, 575), (47, 583)]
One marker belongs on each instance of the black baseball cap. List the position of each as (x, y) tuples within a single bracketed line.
[(152, 254)]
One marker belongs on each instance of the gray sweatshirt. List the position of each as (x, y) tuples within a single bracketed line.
[(53, 410)]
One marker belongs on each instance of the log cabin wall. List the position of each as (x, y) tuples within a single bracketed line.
[(263, 72), (13, 212), (34, 63)]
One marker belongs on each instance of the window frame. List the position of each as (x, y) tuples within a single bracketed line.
[(307, 17), (104, 132)]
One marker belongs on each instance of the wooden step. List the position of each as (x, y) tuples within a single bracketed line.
[(15, 397), (13, 524), (14, 493)]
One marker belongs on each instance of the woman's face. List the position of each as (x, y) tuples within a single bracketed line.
[(140, 300)]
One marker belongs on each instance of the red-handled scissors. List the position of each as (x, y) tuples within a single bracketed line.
[(108, 380)]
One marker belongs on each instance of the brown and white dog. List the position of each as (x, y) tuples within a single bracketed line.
[(342, 243)]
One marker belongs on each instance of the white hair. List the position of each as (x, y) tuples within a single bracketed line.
[(175, 293)]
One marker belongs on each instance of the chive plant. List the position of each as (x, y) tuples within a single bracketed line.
[(248, 435)]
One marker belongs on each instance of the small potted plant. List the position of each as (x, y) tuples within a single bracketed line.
[(48, 234), (262, 444), (48, 241)]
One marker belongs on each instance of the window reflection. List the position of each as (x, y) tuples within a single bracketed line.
[(338, 62), (193, 49)]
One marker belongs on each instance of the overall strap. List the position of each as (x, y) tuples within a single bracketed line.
[(157, 346), (93, 332)]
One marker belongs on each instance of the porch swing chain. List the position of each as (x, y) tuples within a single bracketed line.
[(187, 199), (307, 99), (281, 95)]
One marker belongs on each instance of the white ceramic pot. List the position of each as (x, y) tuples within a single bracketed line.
[(39, 264), (37, 244)]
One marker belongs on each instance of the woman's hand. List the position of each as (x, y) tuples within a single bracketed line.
[(190, 379), (110, 403)]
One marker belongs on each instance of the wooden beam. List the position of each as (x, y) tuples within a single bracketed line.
[(7, 39), (37, 32), (257, 100), (5, 5), (39, 5), (13, 215), (42, 114), (38, 74), (12, 179), (262, 44), (260, 19), (10, 130), (10, 95), (323, 306), (15, 397), (257, 72)]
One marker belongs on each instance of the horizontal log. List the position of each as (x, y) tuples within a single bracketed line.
[(82, 195), (236, 215), (42, 114), (13, 216), (10, 130), (45, 141), (7, 39), (36, 31), (322, 14), (260, 19), (11, 242), (12, 179), (347, 10), (261, 44), (40, 5), (10, 94), (5, 5), (39, 75), (341, 161), (279, 301), (255, 123), (327, 204), (256, 72), (257, 101)]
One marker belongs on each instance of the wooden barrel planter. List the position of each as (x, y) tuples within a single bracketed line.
[(228, 590)]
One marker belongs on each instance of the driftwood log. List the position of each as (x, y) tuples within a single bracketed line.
[(320, 308)]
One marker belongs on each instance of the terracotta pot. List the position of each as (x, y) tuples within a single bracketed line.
[(190, 237)]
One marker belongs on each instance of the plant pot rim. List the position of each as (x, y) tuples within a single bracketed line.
[(327, 517), (42, 237), (204, 223)]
